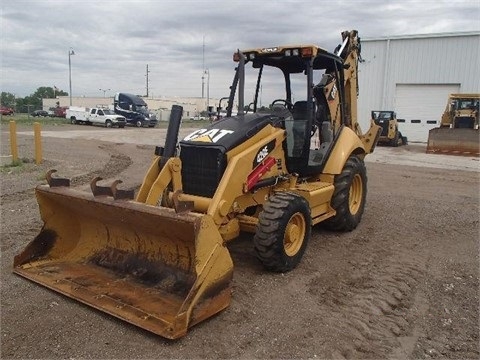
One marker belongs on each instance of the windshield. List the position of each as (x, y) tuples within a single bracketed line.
[(465, 104), (273, 86), (142, 109), (381, 115), (108, 112)]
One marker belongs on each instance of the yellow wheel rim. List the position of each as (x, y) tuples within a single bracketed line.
[(356, 194), (294, 234)]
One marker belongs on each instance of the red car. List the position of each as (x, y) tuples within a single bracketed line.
[(60, 111), (6, 110)]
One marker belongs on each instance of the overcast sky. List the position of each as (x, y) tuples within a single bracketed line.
[(114, 40)]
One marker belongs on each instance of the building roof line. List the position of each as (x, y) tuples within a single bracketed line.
[(422, 36)]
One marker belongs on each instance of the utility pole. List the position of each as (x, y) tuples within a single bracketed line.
[(203, 68), (147, 79)]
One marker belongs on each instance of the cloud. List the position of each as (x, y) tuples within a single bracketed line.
[(115, 40)]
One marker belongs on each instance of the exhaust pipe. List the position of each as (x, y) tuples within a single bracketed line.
[(171, 140)]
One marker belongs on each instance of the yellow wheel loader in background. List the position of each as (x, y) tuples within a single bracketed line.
[(390, 135), (458, 133), (160, 261)]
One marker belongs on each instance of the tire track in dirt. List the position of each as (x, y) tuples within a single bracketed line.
[(453, 311), (117, 163), (371, 310)]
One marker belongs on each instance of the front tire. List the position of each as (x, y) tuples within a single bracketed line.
[(139, 123), (108, 124), (395, 140), (349, 196), (283, 231)]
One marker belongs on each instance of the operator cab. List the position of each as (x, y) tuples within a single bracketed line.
[(304, 105)]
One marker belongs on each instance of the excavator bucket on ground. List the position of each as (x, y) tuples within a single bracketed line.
[(454, 141), (150, 266)]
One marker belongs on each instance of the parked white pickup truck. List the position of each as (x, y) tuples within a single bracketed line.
[(94, 116)]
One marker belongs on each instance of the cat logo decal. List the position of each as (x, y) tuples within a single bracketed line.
[(205, 135)]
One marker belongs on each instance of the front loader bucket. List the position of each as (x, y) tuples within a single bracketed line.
[(454, 141), (147, 265)]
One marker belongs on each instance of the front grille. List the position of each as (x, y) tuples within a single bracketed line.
[(202, 170), (466, 122)]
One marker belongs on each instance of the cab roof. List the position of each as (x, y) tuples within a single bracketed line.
[(291, 58)]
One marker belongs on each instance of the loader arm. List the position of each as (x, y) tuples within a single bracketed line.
[(350, 51)]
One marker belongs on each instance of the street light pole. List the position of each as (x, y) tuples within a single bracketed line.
[(104, 91), (70, 53), (207, 72)]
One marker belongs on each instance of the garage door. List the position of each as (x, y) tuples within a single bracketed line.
[(421, 106)]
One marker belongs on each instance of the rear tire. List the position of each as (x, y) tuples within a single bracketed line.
[(349, 196), (73, 120), (283, 231), (139, 123)]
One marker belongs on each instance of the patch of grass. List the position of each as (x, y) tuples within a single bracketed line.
[(15, 165), (26, 119)]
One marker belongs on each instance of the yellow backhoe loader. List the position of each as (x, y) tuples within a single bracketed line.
[(458, 133), (390, 134), (160, 260)]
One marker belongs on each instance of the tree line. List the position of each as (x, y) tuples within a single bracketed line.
[(30, 102)]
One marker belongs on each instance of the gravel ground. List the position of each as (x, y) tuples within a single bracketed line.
[(403, 285)]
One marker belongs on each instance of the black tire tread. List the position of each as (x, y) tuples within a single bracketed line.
[(344, 220), (267, 240)]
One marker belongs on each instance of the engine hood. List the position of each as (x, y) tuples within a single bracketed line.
[(228, 133)]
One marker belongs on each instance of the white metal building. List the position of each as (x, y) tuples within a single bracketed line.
[(413, 76)]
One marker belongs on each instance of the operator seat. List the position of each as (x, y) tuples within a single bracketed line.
[(299, 127), (299, 110)]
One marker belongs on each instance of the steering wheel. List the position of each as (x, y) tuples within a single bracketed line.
[(249, 108), (286, 104)]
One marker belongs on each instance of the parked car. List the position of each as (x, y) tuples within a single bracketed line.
[(40, 113), (95, 116), (4, 110), (60, 111)]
